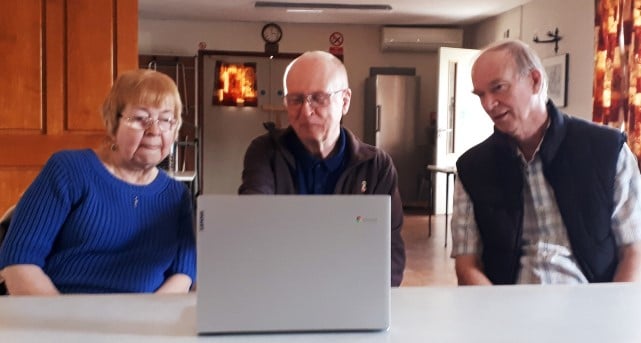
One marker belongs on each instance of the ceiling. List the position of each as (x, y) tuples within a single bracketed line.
[(403, 12)]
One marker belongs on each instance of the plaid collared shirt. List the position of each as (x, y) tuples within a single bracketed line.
[(547, 255)]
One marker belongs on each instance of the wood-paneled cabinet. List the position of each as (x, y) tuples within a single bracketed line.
[(59, 59)]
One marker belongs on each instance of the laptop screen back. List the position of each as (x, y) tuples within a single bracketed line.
[(293, 263)]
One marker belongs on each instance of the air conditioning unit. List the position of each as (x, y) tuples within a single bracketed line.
[(420, 38)]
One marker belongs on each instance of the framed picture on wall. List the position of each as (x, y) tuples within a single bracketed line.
[(235, 84), (556, 68)]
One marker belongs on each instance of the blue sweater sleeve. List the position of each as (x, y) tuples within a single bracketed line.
[(39, 215), (185, 261)]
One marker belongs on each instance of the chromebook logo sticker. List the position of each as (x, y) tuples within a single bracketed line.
[(361, 219)]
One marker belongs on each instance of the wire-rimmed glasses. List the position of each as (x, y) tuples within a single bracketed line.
[(316, 99), (140, 122)]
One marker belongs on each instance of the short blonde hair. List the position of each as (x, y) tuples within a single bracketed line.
[(143, 87)]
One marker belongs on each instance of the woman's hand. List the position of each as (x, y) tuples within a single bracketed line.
[(177, 283), (27, 279)]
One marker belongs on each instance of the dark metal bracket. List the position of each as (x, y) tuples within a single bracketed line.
[(554, 38)]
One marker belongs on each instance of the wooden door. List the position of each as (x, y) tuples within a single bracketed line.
[(59, 60)]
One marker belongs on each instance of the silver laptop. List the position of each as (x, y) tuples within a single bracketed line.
[(295, 263)]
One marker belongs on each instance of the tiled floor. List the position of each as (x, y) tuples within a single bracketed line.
[(428, 261)]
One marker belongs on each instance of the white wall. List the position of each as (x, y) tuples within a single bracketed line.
[(575, 20), (361, 51), (506, 25)]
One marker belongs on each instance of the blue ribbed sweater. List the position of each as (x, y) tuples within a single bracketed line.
[(93, 233)]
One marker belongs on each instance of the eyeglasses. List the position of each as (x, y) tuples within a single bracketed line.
[(139, 122), (316, 99)]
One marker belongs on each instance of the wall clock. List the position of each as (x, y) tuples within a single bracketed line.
[(272, 33)]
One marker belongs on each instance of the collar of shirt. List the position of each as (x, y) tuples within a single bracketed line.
[(308, 161), (311, 170), (538, 147)]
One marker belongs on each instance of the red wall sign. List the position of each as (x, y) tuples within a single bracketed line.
[(336, 39)]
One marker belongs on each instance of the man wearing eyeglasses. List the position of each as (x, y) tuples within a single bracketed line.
[(316, 154)]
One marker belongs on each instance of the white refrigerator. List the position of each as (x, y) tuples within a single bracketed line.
[(391, 110)]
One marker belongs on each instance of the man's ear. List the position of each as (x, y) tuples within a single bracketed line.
[(537, 80), (347, 98)]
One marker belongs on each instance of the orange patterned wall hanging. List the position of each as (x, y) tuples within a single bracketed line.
[(617, 68)]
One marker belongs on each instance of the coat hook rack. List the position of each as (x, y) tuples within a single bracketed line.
[(554, 38)]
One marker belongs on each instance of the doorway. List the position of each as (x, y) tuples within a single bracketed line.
[(461, 121)]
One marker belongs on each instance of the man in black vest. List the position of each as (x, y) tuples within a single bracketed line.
[(547, 198)]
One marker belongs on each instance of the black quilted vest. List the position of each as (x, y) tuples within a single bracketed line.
[(579, 161)]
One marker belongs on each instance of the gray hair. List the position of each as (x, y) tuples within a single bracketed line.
[(525, 59)]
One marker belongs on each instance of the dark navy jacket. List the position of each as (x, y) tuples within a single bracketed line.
[(579, 161)]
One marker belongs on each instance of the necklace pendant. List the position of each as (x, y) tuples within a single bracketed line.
[(135, 201)]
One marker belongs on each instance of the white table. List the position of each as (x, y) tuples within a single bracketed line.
[(588, 313)]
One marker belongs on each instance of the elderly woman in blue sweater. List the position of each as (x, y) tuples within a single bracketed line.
[(108, 220)]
